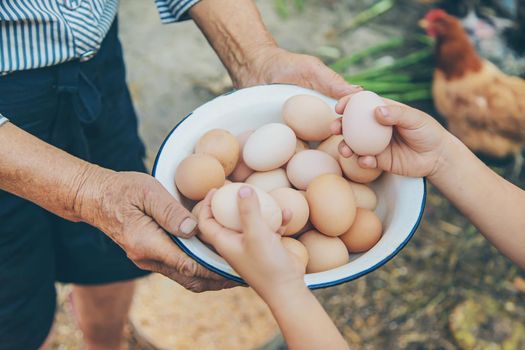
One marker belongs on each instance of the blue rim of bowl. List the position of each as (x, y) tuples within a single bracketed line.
[(183, 247)]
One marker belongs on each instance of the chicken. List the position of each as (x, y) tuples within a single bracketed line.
[(484, 107), (495, 27)]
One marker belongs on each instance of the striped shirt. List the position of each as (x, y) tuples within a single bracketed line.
[(42, 33)]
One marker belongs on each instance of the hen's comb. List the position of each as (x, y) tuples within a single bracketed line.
[(435, 14)]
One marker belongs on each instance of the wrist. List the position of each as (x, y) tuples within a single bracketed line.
[(283, 293), (87, 189), (249, 67), (450, 150)]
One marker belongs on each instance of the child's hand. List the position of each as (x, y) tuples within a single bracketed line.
[(257, 253), (417, 141)]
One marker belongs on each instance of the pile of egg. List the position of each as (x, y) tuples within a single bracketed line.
[(332, 206)]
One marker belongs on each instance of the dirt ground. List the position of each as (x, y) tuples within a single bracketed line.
[(447, 289)]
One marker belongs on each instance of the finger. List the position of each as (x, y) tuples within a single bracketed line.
[(210, 230), (168, 212), (399, 115), (336, 127), (287, 215), (341, 104), (149, 243), (199, 285), (344, 150), (251, 218), (367, 162), (328, 82)]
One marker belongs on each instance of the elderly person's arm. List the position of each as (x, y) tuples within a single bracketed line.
[(133, 209), (235, 30)]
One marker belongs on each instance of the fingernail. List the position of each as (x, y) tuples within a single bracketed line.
[(245, 192), (356, 87), (384, 111), (187, 226)]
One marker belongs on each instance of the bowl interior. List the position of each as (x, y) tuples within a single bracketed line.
[(401, 199)]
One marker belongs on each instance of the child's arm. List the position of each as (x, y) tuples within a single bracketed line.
[(422, 147), (258, 255)]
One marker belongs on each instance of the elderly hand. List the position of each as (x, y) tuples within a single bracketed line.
[(135, 210), (272, 64)]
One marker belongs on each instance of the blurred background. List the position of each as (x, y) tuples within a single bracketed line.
[(448, 289)]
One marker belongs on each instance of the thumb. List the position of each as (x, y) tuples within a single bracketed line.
[(332, 84), (169, 213), (249, 210), (399, 115)]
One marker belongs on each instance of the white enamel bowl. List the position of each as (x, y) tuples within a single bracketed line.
[(401, 199)]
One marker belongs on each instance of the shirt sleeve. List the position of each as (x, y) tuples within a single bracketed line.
[(3, 120), (174, 10)]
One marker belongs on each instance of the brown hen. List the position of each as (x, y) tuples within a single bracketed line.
[(484, 107)]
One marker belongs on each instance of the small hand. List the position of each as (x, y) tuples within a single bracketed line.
[(135, 211), (275, 65), (417, 143), (257, 253)]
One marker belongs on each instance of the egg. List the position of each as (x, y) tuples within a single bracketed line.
[(354, 172), (301, 146), (364, 233), (225, 209), (222, 145), (269, 147), (295, 201), (309, 116), (307, 165), (331, 145), (297, 249), (332, 204), (324, 253), (269, 180), (241, 171), (361, 131), (364, 196), (197, 174)]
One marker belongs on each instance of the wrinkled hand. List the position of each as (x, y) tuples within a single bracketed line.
[(257, 253), (134, 210), (418, 140), (275, 65)]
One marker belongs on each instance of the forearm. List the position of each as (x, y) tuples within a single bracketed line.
[(41, 173), (303, 321), (492, 204), (235, 30)]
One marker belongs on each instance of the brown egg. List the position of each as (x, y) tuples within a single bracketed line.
[(324, 253), (269, 180), (309, 117), (364, 233), (332, 204), (197, 174), (331, 145), (222, 145), (301, 146), (241, 171), (307, 165), (293, 200), (297, 249), (354, 172), (364, 196)]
